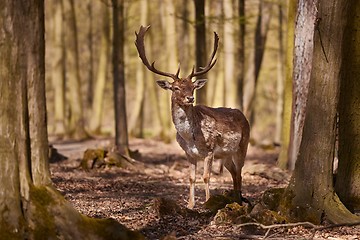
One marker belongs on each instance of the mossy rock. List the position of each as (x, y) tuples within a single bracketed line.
[(265, 216), (219, 201), (272, 198), (232, 213), (93, 158)]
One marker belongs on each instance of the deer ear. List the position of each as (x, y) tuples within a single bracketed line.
[(199, 83), (164, 84)]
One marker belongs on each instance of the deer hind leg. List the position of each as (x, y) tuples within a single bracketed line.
[(192, 179), (230, 166), (207, 171)]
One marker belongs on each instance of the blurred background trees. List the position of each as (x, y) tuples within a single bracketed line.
[(79, 72)]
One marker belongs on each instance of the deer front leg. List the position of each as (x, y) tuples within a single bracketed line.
[(192, 179), (207, 171)]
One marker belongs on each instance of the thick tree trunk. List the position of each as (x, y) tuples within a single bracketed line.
[(348, 177), (310, 195), (121, 132), (29, 206), (303, 55)]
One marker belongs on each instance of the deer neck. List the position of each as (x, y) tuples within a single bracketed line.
[(184, 119)]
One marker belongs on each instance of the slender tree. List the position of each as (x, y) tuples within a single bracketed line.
[(200, 46), (288, 87), (241, 55), (229, 55), (136, 119), (58, 66), (98, 103), (315, 198), (30, 207), (76, 125), (262, 28), (121, 131)]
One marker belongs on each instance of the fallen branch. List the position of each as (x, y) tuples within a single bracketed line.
[(303, 224)]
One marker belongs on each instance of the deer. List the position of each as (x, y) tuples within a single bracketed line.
[(203, 132)]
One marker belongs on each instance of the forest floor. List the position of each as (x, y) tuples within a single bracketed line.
[(130, 195)]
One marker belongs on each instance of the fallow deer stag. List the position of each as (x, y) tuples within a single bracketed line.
[(204, 133)]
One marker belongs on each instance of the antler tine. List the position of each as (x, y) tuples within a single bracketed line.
[(140, 46), (211, 63), (178, 71)]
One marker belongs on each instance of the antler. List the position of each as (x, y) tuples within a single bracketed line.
[(139, 42), (211, 62)]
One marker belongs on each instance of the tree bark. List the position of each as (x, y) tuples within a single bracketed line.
[(303, 54), (310, 195), (241, 55), (348, 176), (280, 78), (136, 118), (97, 104), (58, 67), (229, 56), (262, 28), (29, 206), (200, 46), (77, 124), (288, 90), (121, 131)]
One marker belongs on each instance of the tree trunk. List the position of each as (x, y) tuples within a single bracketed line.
[(217, 85), (348, 177), (58, 67), (29, 206), (310, 195), (90, 82), (136, 118), (76, 125), (262, 28), (303, 55), (229, 56), (121, 132), (241, 55), (97, 104), (288, 90), (280, 78), (200, 46)]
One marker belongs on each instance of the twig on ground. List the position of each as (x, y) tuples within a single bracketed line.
[(303, 224)]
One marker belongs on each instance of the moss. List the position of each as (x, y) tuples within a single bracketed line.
[(216, 202), (265, 216), (8, 232), (272, 197), (93, 158), (41, 221), (232, 213)]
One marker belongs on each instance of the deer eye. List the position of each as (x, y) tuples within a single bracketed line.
[(176, 88)]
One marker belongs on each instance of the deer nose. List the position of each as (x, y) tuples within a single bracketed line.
[(190, 99)]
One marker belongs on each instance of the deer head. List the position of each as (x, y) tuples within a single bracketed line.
[(182, 88)]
